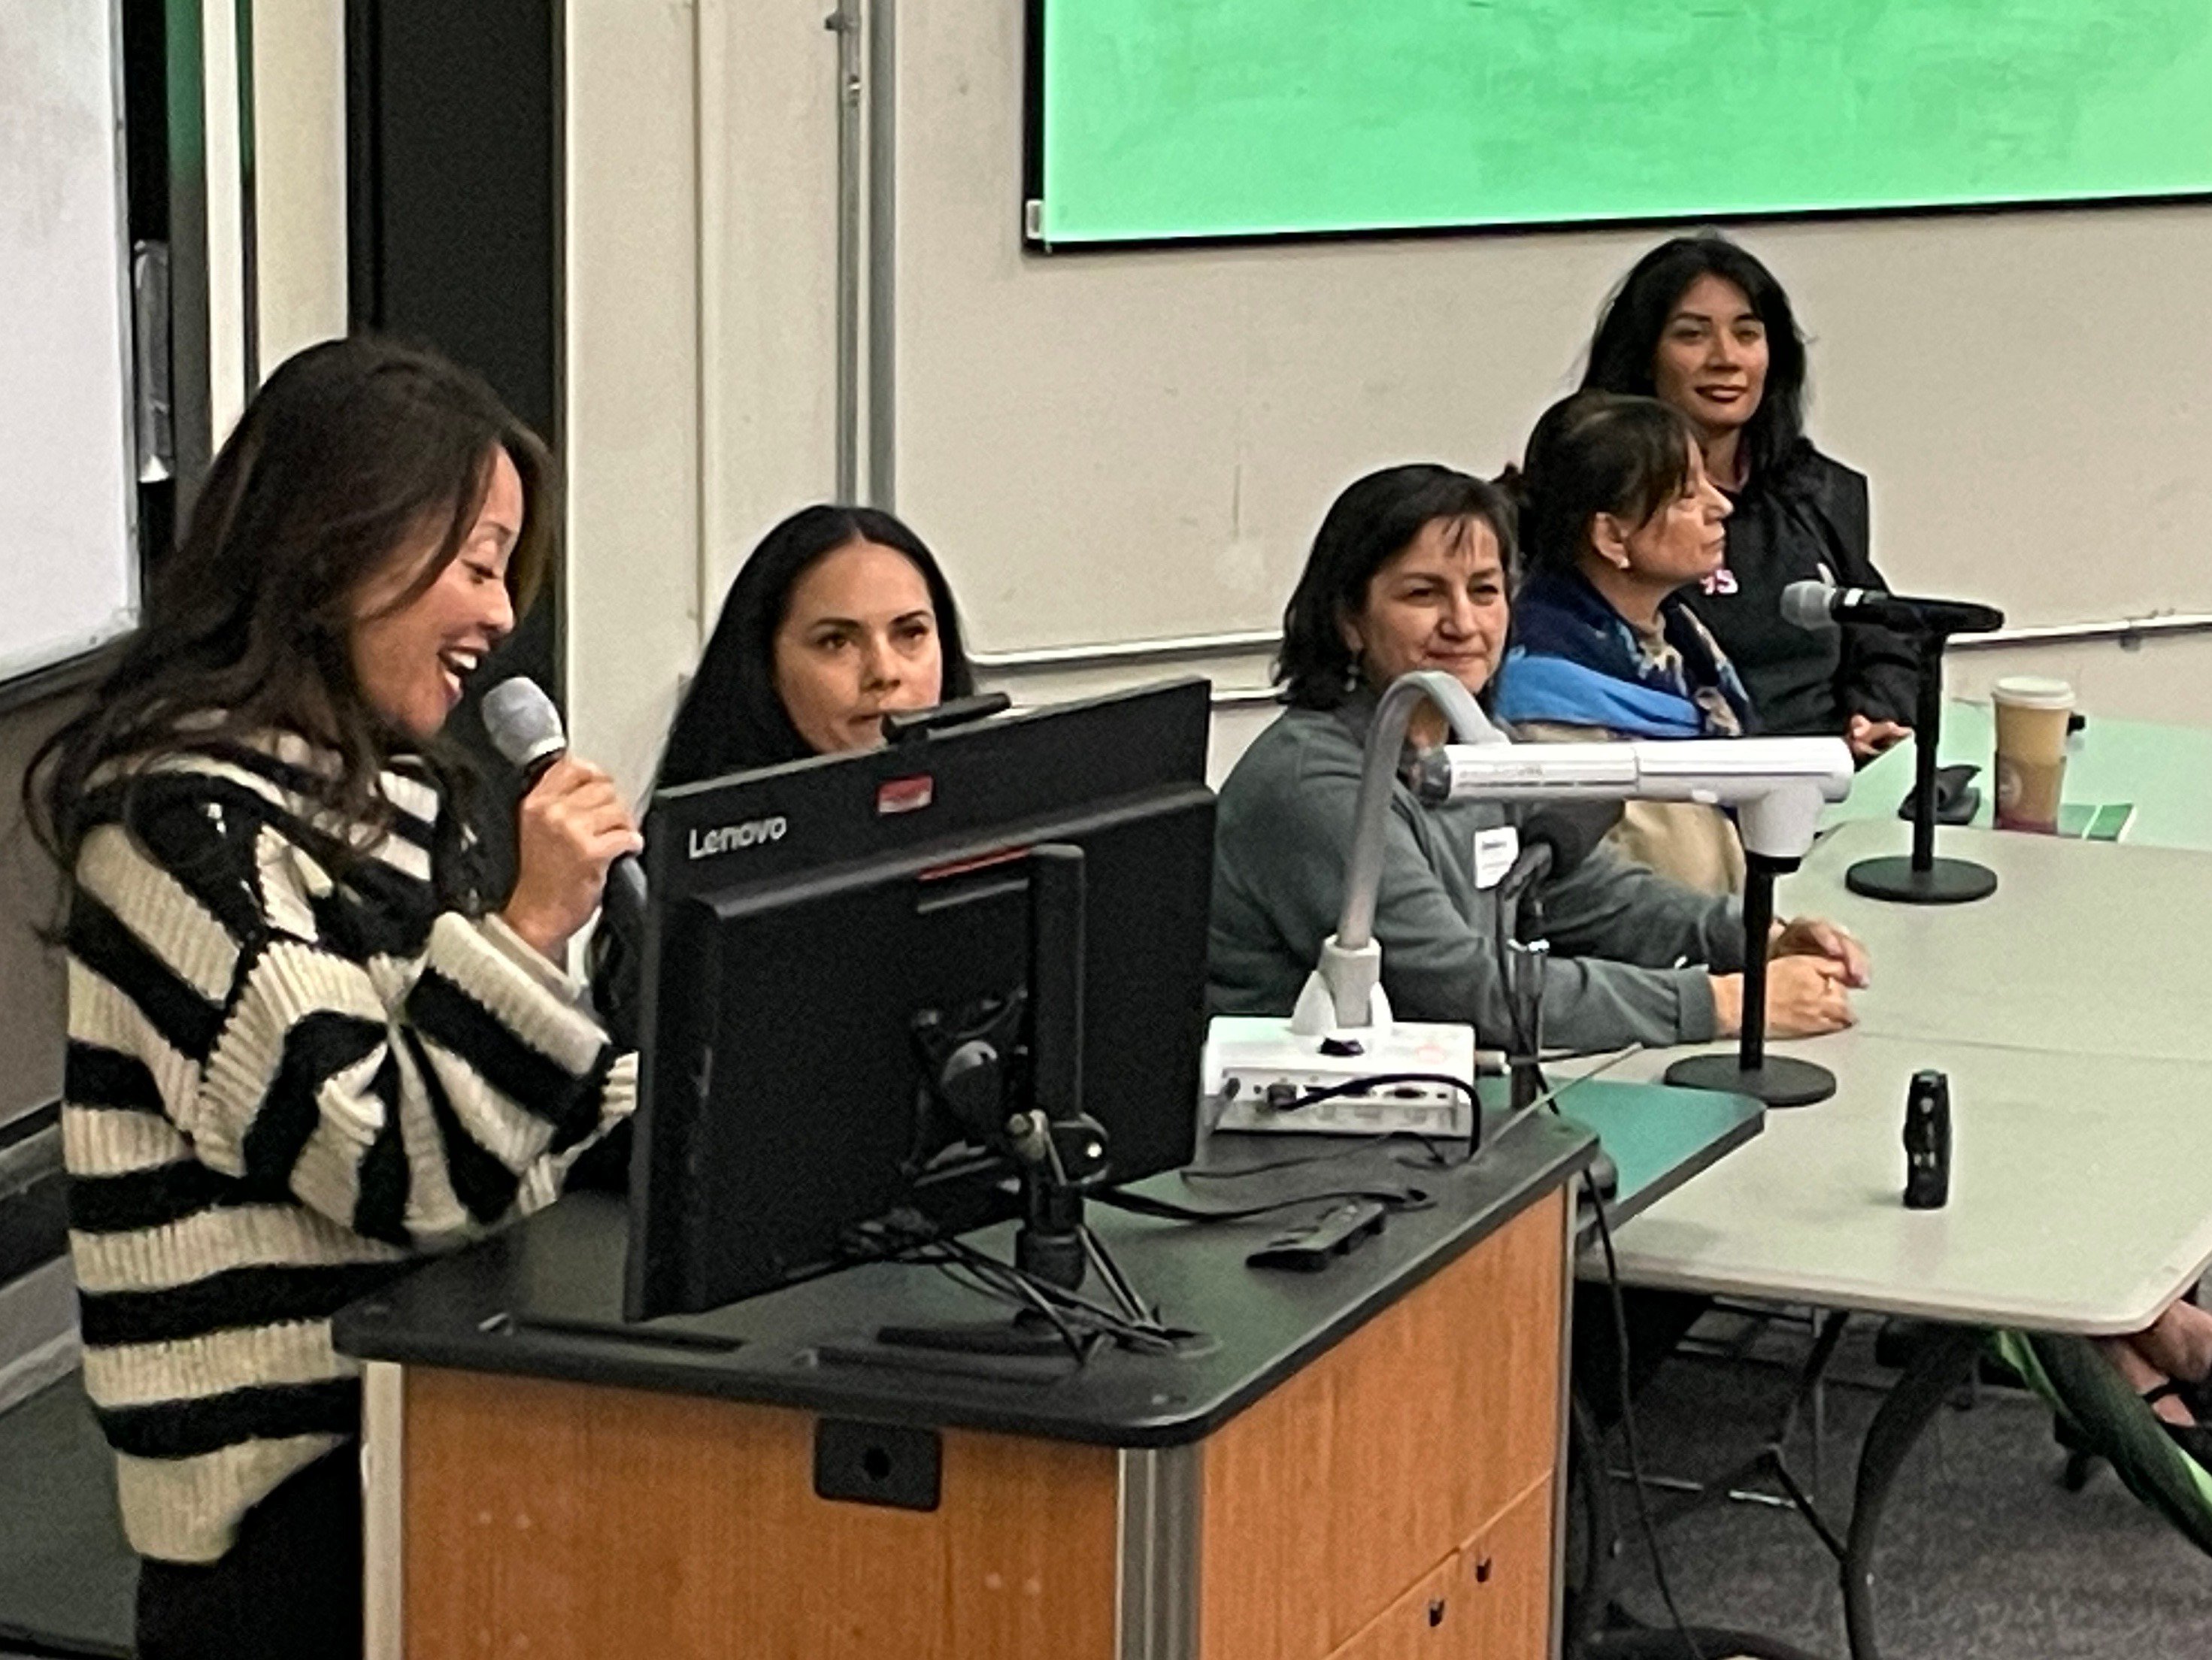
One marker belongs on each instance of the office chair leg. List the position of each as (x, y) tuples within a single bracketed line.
[(2080, 1466)]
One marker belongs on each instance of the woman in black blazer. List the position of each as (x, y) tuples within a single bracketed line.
[(1703, 326)]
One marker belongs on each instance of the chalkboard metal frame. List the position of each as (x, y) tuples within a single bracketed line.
[(1032, 206)]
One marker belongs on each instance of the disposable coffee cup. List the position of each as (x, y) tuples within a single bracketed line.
[(2032, 715)]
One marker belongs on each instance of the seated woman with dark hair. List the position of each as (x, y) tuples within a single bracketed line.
[(1618, 518), (839, 617), (1704, 327), (1409, 571)]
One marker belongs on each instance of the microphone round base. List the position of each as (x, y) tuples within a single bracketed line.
[(1945, 882), (1779, 1081)]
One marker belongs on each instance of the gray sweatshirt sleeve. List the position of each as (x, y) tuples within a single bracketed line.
[(1609, 907), (1287, 856)]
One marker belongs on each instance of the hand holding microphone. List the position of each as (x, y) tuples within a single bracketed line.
[(576, 840), (571, 828)]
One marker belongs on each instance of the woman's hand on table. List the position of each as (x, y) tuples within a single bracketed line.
[(1806, 997), (1814, 936)]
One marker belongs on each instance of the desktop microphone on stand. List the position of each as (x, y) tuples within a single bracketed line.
[(1921, 879)]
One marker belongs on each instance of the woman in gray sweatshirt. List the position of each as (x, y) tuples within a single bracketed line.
[(1410, 570)]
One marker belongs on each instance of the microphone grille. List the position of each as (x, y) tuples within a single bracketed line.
[(522, 723), (1806, 604)]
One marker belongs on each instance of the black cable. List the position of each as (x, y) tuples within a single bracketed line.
[(965, 1275), (912, 1240), (890, 1241), (1370, 1084), (1396, 1198), (1624, 1380), (1109, 1268), (1601, 1526), (1081, 1323), (1342, 1151), (1435, 1157), (1522, 883), (1501, 930), (1070, 1311)]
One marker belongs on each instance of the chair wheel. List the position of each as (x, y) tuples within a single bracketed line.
[(2080, 1466)]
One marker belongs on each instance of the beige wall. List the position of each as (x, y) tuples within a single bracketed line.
[(700, 371), (633, 407), (299, 110)]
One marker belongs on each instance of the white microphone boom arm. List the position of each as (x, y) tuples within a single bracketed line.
[(1776, 785)]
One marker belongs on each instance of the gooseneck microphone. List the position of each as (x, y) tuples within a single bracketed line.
[(1815, 604), (526, 728)]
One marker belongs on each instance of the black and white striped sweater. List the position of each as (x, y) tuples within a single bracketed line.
[(282, 1088)]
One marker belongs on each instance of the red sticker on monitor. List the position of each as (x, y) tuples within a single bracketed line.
[(905, 794)]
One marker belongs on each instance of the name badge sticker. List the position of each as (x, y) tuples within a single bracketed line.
[(1495, 850)]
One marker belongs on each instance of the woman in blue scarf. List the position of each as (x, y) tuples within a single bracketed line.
[(1618, 517)]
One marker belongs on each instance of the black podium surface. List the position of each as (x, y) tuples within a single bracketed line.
[(544, 1299)]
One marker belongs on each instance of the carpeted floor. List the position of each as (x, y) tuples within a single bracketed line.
[(66, 1576), (1986, 1556)]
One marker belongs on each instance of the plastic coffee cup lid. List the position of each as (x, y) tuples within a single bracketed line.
[(2033, 691)]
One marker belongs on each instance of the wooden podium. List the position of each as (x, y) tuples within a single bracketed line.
[(1363, 1463)]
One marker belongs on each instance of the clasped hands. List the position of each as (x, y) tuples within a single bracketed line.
[(1813, 966)]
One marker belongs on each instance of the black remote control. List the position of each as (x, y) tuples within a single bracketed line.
[(1337, 1231)]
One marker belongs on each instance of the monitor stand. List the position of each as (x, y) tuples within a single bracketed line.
[(1060, 1150), (1048, 1247)]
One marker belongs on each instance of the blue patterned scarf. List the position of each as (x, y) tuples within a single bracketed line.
[(1576, 660)]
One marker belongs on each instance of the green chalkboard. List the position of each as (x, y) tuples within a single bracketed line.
[(1172, 119)]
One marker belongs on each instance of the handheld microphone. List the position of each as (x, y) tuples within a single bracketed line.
[(526, 728), (1813, 603)]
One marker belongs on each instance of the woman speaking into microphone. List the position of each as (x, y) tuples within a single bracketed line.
[(304, 1049)]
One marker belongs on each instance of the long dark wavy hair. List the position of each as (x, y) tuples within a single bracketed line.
[(733, 718), (1597, 452), (1375, 518), (1627, 342), (352, 452)]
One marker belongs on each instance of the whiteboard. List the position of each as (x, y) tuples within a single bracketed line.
[(69, 569), (1114, 447)]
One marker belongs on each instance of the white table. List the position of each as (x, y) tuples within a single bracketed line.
[(2091, 947), (2072, 1012), (2081, 1192)]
